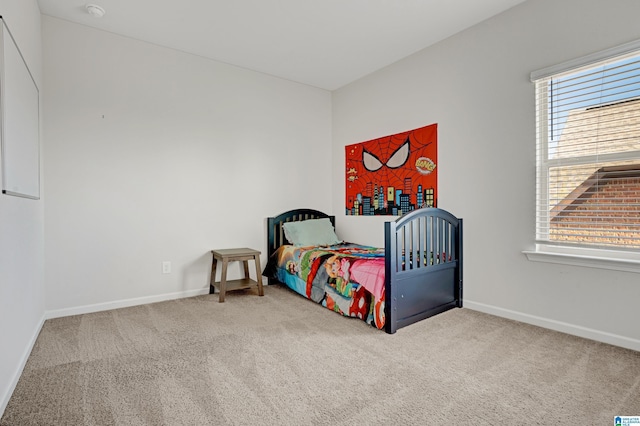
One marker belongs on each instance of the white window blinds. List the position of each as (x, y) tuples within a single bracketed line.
[(588, 151)]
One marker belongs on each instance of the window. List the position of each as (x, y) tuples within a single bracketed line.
[(588, 155)]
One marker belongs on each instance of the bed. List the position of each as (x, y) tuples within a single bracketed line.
[(417, 274)]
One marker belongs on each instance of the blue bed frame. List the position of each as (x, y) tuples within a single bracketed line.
[(423, 262)]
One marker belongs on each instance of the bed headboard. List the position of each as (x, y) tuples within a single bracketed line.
[(275, 233)]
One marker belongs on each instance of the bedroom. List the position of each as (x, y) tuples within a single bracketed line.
[(131, 178)]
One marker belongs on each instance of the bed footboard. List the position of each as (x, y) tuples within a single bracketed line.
[(423, 266)]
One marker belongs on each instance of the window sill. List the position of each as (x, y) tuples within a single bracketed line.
[(600, 259)]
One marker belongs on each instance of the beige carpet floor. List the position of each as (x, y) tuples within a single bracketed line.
[(281, 360)]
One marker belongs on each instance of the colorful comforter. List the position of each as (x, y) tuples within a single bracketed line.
[(346, 278)]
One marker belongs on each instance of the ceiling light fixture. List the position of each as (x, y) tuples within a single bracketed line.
[(95, 10)]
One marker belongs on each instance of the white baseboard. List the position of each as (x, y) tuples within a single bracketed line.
[(87, 309), (8, 391), (575, 330)]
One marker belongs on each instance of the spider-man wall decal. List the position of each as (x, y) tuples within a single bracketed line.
[(393, 175)]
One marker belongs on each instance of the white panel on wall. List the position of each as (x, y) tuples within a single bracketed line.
[(19, 121)]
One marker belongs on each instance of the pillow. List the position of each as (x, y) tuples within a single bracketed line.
[(312, 232)]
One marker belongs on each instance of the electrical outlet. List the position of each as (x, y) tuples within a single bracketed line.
[(166, 267)]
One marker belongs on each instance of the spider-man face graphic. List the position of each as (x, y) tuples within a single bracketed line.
[(392, 175)]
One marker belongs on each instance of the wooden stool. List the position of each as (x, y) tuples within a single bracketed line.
[(234, 255)]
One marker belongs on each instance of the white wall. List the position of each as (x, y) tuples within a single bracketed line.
[(21, 230), (476, 86), (156, 155)]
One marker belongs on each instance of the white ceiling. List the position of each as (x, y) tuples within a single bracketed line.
[(323, 43)]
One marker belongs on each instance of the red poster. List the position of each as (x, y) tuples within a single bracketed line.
[(393, 175)]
